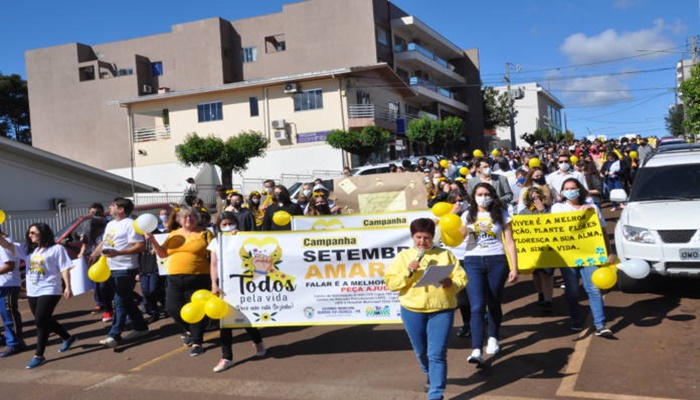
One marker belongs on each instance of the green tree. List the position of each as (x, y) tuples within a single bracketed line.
[(674, 120), (425, 131), (231, 155), (361, 143), (14, 108), (690, 93), (496, 108)]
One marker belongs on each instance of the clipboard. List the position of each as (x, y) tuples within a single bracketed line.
[(433, 275)]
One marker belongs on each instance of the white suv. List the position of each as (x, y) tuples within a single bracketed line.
[(661, 222)]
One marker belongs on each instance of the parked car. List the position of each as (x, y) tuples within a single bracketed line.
[(69, 236), (661, 221)]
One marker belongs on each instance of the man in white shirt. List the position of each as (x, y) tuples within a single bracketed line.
[(122, 245), (9, 295), (564, 172)]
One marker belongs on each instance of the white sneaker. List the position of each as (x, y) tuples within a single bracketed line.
[(135, 334), (475, 357), (109, 342), (223, 365), (492, 346)]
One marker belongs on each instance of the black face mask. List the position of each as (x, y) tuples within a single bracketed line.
[(237, 204), (539, 181), (280, 198)]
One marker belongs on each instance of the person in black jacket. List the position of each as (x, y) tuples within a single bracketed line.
[(244, 217), (281, 202)]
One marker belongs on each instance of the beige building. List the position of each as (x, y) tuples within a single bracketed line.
[(536, 108), (295, 75)]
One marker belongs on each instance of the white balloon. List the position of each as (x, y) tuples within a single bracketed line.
[(635, 268), (147, 222)]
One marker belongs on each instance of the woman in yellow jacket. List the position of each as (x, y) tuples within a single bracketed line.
[(427, 312)]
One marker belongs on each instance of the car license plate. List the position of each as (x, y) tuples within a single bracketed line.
[(690, 254)]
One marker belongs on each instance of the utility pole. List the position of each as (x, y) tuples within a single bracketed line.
[(511, 117)]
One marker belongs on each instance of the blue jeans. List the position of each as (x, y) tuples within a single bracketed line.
[(428, 333), (11, 317), (152, 291), (125, 303), (486, 277), (595, 300)]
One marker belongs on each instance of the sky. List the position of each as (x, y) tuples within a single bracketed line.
[(610, 62)]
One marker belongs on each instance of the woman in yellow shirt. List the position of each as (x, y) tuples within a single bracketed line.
[(427, 312), (188, 271)]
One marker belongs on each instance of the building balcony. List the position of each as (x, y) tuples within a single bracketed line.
[(361, 115), (428, 91), (414, 30), (150, 134), (413, 56)]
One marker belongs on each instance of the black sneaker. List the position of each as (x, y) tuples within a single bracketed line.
[(197, 350), (603, 332), (187, 340), (576, 327), (464, 331)]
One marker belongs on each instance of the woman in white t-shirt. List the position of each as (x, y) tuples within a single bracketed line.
[(49, 263), (490, 237)]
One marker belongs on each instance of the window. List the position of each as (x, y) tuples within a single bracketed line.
[(274, 44), (382, 35), (253, 101), (250, 54), (308, 100), (157, 68), (87, 73), (210, 112)]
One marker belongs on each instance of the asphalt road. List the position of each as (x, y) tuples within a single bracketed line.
[(652, 356)]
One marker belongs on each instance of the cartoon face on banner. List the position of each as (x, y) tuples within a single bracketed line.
[(261, 258)]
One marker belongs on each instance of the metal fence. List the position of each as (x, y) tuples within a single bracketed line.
[(17, 222)]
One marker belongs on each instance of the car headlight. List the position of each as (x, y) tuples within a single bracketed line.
[(637, 235)]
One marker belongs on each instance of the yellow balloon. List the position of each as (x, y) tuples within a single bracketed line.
[(99, 271), (633, 155), (452, 240), (464, 171), (478, 153), (281, 218), (604, 278), (138, 230), (2, 217), (441, 208), (450, 224), (495, 152), (573, 159), (201, 296), (534, 162), (216, 308), (444, 163), (192, 312)]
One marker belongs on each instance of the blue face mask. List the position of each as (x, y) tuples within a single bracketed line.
[(570, 194), (521, 180)]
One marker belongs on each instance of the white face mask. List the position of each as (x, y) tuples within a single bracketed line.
[(483, 201), (486, 171), (227, 228), (306, 192), (163, 218), (564, 166)]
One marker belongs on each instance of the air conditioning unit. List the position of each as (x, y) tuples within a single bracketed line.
[(291, 88), (281, 135), (147, 89), (545, 119), (278, 124)]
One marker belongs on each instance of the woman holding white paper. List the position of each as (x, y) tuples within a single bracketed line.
[(427, 312), (490, 238)]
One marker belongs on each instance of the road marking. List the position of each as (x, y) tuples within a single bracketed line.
[(567, 388), (170, 354)]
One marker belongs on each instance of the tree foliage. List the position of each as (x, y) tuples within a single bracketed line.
[(424, 131), (231, 155), (361, 143), (690, 90), (496, 108), (674, 120), (14, 108)]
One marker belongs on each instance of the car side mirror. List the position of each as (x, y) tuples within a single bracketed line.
[(618, 195)]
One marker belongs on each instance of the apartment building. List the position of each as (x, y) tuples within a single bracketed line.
[(536, 107), (295, 75)]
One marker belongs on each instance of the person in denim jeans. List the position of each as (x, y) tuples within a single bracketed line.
[(9, 295), (122, 245), (427, 312), (577, 200), (490, 237)]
